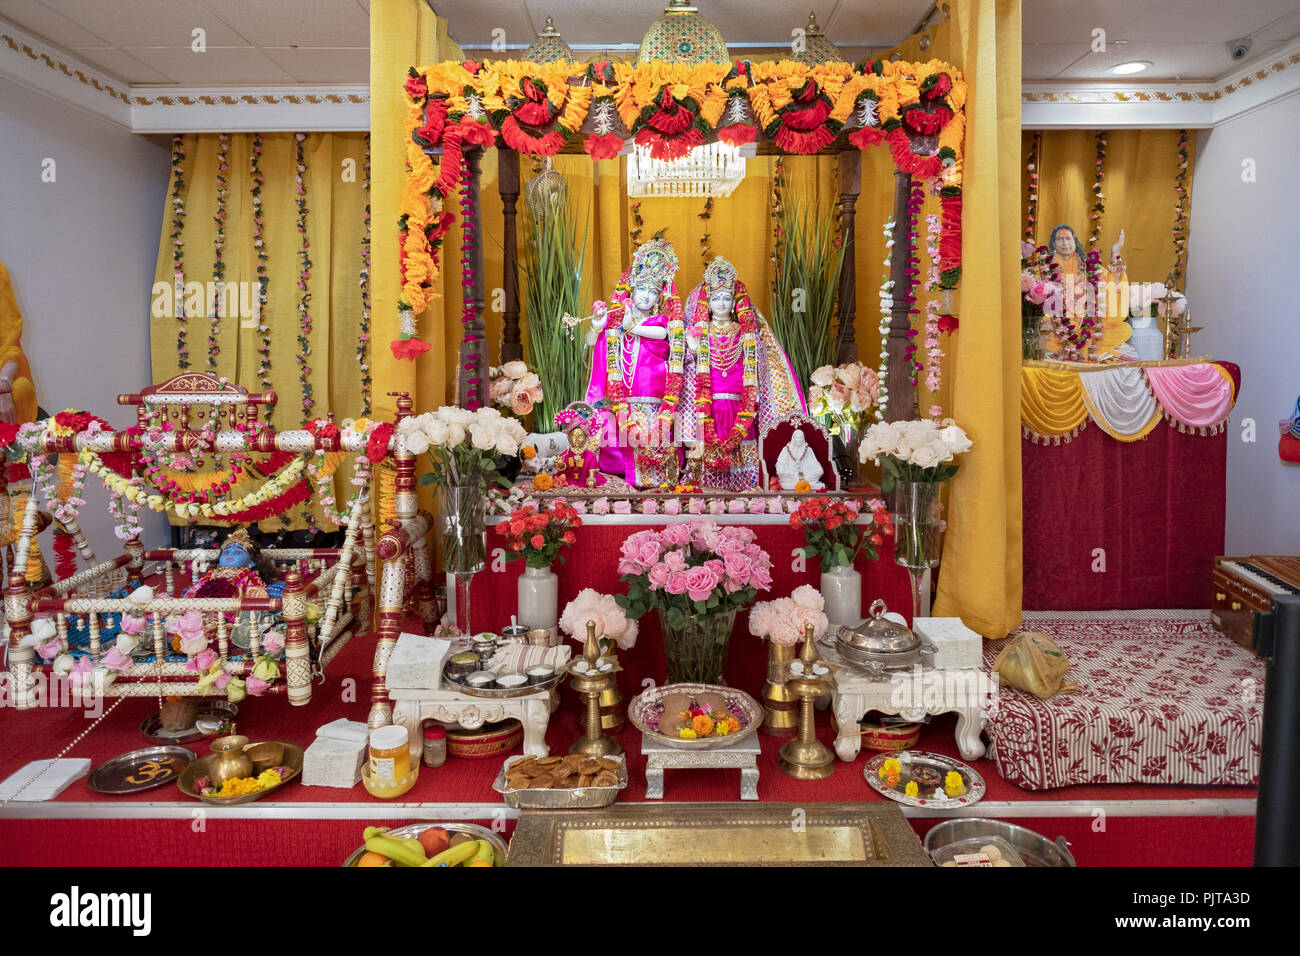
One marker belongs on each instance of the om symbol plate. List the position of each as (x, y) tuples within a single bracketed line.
[(140, 770)]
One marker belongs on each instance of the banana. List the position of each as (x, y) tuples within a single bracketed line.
[(396, 849), (485, 852), (456, 855)]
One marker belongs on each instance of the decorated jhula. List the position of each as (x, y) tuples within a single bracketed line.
[(917, 108), (637, 368), (738, 380)]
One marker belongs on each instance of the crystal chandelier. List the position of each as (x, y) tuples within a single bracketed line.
[(681, 35), (714, 169)]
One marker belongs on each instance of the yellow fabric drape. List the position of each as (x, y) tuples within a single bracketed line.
[(981, 576), (1141, 172), (11, 350), (334, 180), (1051, 401)]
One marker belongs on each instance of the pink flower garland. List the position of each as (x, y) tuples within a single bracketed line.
[(469, 225), (915, 200), (363, 336), (933, 353), (304, 275), (218, 250)]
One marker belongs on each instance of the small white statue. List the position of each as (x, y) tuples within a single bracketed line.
[(797, 463), (549, 446)]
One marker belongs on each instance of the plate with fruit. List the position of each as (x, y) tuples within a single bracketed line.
[(919, 779), (695, 716), (429, 844)]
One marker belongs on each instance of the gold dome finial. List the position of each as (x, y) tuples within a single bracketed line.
[(681, 35)]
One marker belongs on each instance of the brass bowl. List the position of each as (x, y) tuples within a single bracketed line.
[(268, 754), (292, 758)]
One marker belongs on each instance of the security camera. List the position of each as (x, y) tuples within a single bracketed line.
[(1238, 49)]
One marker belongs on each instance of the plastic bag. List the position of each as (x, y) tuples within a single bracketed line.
[(1032, 662)]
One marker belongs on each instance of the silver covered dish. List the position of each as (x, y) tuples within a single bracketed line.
[(878, 641)]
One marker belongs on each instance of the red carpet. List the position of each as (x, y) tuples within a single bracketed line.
[(37, 734)]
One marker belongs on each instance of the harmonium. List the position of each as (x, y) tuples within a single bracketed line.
[(1244, 586)]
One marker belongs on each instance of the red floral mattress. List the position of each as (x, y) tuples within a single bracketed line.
[(1163, 698)]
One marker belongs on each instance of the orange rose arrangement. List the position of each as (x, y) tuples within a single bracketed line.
[(539, 535)]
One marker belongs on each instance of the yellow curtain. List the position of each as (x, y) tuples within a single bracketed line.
[(11, 350), (981, 575), (1140, 175), (334, 179)]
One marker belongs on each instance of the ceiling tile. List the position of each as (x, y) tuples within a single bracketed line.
[(1204, 21), (320, 23), (123, 65), (1285, 29), (324, 66), (132, 23), (1187, 61), (221, 66), (1043, 61), (49, 24), (1066, 21)]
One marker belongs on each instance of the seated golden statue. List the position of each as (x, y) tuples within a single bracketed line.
[(1079, 291)]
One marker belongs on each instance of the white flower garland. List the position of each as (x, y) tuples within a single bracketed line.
[(886, 320)]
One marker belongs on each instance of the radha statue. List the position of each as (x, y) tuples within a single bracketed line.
[(637, 367), (739, 380)]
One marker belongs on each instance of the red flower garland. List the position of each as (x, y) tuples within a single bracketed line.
[(603, 147), (738, 134), (377, 442)]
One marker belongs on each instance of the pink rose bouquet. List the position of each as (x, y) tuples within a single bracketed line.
[(785, 620)]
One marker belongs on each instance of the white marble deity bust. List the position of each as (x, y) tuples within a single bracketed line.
[(797, 463)]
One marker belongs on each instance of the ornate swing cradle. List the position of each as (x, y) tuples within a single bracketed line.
[(79, 618)]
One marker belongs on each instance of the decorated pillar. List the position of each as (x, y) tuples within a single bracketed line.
[(297, 659), (902, 393), (18, 612), (472, 378), (850, 164), (508, 185)]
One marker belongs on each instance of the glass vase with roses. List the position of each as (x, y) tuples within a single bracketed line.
[(697, 575)]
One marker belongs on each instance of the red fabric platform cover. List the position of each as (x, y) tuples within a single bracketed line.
[(1161, 699), (592, 562), (1156, 507)]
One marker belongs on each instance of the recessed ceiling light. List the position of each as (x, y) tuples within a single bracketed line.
[(1134, 66)]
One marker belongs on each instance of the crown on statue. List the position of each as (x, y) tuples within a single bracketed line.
[(240, 536), (654, 264), (720, 276), (574, 414)]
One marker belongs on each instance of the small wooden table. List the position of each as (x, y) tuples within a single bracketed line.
[(412, 707), (742, 754)]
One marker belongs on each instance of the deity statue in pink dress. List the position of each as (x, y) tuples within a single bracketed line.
[(738, 380), (637, 368), (579, 466)]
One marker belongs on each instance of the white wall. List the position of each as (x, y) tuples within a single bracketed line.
[(1243, 286), (81, 253)]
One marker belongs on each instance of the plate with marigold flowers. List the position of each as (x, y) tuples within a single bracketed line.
[(695, 716)]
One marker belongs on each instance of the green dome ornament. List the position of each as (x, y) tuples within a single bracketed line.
[(681, 35)]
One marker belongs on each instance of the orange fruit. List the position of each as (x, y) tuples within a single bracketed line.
[(434, 840), (371, 858), (479, 863)]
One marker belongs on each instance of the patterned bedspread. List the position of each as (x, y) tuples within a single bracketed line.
[(1163, 698)]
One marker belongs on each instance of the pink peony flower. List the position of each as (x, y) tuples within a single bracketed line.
[(700, 582)]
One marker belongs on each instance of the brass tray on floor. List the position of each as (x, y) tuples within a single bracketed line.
[(718, 834)]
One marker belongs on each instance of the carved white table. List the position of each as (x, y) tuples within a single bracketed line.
[(412, 707), (742, 754), (912, 694)]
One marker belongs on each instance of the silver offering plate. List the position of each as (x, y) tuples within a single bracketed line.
[(929, 795)]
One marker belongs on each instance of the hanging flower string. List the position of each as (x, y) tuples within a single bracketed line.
[(886, 320), (706, 215), (469, 227), (638, 225), (915, 200), (304, 276), (1031, 205), (363, 335), (127, 512), (218, 250), (321, 471), (775, 211), (178, 248), (1180, 206), (1099, 198), (934, 322), (257, 180)]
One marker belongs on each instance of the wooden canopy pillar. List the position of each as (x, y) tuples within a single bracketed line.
[(472, 377), (850, 163), (902, 393), (512, 348)]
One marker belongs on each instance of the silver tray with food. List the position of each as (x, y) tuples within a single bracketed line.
[(919, 779), (571, 782), (501, 686)]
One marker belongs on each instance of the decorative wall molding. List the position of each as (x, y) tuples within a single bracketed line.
[(1162, 105), (47, 69)]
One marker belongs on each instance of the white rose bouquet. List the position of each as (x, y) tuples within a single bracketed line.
[(920, 450)]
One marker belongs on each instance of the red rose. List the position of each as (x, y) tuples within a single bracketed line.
[(537, 541), (8, 432), (570, 537), (834, 522), (377, 444), (948, 323), (877, 539), (796, 522), (517, 527)]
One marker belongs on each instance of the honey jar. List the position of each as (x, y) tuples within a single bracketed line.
[(390, 755)]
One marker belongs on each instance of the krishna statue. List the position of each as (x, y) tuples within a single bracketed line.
[(739, 380), (637, 369)]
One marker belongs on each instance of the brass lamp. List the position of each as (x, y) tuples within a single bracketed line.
[(591, 682), (806, 757)]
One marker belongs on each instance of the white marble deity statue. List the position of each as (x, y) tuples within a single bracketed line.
[(797, 463)]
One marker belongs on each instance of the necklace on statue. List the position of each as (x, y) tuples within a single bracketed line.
[(629, 358), (728, 351)]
